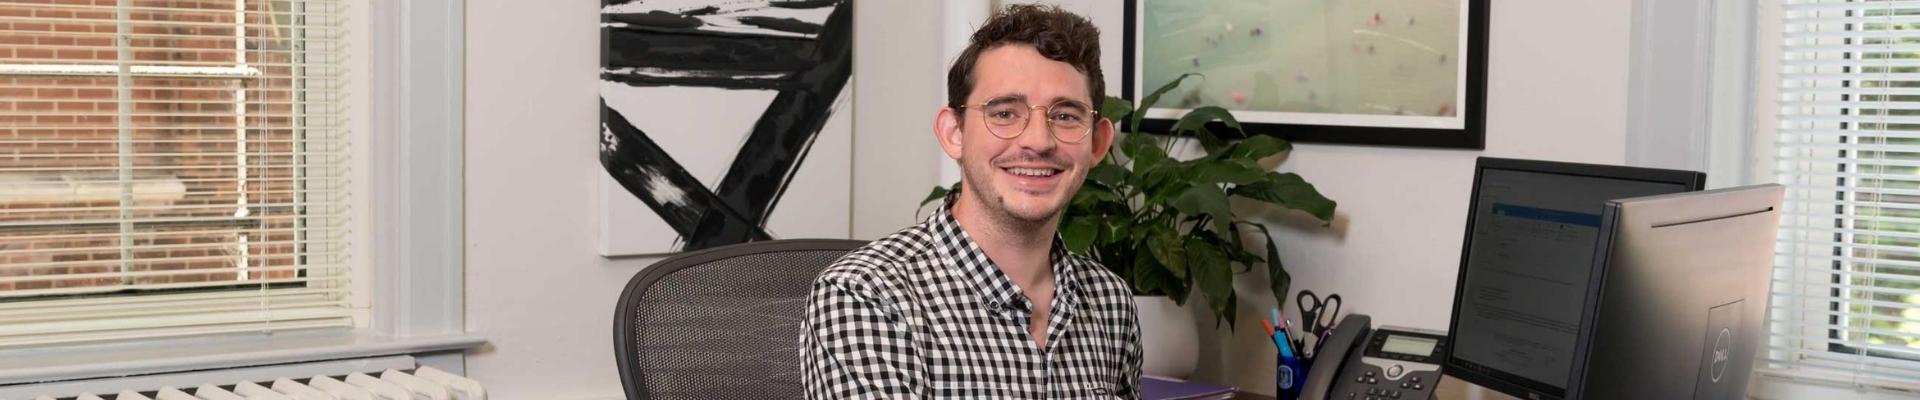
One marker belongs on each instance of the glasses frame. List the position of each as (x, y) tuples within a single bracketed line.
[(1093, 119)]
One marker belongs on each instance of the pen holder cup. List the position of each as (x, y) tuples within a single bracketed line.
[(1284, 379)]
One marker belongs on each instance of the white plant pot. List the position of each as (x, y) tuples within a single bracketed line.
[(1168, 339)]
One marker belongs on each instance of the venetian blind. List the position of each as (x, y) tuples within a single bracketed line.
[(1846, 293), (171, 167)]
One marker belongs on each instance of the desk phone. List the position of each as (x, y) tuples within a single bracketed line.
[(1389, 363)]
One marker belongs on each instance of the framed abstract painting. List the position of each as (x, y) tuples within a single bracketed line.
[(1374, 72), (723, 122)]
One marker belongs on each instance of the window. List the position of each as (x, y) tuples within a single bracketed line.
[(170, 168), (1847, 287)]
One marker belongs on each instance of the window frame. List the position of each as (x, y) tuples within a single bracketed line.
[(407, 190)]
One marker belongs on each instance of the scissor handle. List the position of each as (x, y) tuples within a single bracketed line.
[(1334, 301)]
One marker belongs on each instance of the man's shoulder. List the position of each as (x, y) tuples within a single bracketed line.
[(885, 259), (1100, 281)]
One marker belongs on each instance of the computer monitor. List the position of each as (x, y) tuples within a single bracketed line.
[(1521, 302), (1679, 315)]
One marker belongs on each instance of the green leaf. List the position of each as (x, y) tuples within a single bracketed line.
[(1204, 199), (1210, 142), (1115, 108), (1256, 148), (1238, 172), (938, 193), (1213, 274), (1111, 175), (1116, 234), (1149, 279), (1142, 150), (1195, 123), (1237, 252), (1147, 102), (1166, 248), (1290, 191), (1162, 181), (1092, 193), (1154, 98), (1281, 281), (1079, 234)]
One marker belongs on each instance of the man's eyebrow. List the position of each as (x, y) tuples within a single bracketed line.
[(1058, 99), (1017, 96)]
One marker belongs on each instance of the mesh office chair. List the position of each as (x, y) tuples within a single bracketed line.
[(721, 323)]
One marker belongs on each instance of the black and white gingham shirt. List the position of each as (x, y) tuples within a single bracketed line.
[(922, 313)]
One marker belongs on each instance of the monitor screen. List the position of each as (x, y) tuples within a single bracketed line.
[(1526, 271)]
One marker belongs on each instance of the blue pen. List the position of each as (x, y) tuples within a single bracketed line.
[(1286, 348)]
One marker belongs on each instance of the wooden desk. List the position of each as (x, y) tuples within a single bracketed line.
[(1450, 389)]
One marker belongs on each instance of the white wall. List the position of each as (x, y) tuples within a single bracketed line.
[(897, 60), (535, 288)]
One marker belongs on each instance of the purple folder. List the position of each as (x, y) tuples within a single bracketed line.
[(1157, 388)]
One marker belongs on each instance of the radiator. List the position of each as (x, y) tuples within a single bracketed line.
[(423, 383)]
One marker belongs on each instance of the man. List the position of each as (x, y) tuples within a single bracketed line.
[(982, 300)]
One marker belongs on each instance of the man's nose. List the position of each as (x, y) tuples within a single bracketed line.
[(1039, 134)]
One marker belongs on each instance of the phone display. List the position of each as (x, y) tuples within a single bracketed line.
[(1409, 345)]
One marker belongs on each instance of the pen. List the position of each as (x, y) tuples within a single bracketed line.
[(1286, 349), (1299, 342)]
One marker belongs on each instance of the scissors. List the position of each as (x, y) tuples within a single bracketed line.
[(1314, 313)]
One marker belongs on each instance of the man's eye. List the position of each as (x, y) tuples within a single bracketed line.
[(1074, 118), (1001, 114)]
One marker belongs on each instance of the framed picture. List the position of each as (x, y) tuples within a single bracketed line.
[(1374, 72), (711, 110)]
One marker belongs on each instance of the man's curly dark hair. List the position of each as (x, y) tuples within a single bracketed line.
[(1057, 34)]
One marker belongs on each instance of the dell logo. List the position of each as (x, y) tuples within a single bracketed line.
[(1722, 350)]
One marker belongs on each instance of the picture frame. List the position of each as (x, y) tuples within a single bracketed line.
[(1373, 75)]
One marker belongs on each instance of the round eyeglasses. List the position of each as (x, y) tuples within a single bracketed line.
[(1006, 117)]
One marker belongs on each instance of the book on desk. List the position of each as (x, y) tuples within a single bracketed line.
[(1158, 388)]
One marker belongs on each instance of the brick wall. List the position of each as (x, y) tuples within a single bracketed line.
[(62, 130)]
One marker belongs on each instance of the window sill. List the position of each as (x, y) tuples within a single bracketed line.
[(48, 364), (1782, 385)]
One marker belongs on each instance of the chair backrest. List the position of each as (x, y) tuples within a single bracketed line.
[(720, 323)]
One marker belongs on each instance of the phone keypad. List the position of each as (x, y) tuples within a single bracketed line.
[(1368, 386)]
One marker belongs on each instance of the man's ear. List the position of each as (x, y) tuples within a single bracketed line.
[(1102, 139), (946, 130)]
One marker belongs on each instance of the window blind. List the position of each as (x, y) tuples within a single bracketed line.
[(1846, 290), (171, 167)]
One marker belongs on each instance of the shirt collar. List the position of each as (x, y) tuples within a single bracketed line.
[(995, 285)]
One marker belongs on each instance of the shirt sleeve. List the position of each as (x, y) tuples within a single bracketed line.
[(1130, 376), (853, 347)]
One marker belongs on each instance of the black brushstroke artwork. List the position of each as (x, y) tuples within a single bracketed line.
[(676, 49)]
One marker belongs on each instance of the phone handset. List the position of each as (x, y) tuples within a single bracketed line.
[(1346, 338)]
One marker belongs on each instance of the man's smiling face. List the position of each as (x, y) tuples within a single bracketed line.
[(1031, 177)]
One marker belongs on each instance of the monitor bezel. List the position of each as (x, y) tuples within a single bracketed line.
[(1515, 385)]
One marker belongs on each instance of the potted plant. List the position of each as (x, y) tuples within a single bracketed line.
[(1166, 227)]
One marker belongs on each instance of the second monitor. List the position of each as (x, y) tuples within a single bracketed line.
[(1527, 265)]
